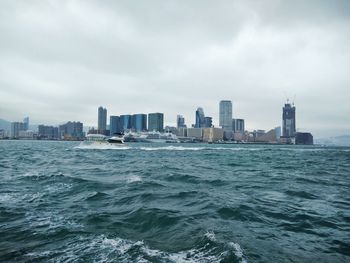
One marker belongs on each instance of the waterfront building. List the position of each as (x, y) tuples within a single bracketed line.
[(238, 125), (48, 132), (225, 115), (125, 122), (170, 129), (115, 126), (71, 131), (304, 138), (26, 123), (3, 134), (208, 122), (139, 122), (181, 132), (102, 120), (16, 127), (180, 122), (288, 120), (268, 137), (200, 118), (27, 134), (278, 132), (156, 122), (238, 136), (196, 133), (213, 134)]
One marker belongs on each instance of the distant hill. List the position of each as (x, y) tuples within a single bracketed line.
[(343, 140), (5, 125)]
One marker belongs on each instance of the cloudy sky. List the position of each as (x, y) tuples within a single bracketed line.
[(60, 60)]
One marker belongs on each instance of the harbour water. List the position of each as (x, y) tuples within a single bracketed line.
[(61, 202)]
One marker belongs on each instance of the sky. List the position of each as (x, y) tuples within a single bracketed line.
[(61, 60)]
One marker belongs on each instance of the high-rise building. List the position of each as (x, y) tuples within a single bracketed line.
[(304, 138), (115, 125), (102, 120), (225, 115), (200, 118), (139, 122), (156, 122), (278, 132), (208, 122), (16, 127), (288, 120), (180, 122), (48, 132), (125, 122), (238, 125), (71, 130), (26, 123)]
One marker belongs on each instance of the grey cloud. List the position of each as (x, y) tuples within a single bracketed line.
[(69, 57)]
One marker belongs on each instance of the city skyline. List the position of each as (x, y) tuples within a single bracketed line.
[(68, 58)]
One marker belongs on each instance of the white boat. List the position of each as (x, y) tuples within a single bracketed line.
[(100, 139), (151, 137)]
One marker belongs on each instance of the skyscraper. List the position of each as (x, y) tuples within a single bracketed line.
[(71, 130), (114, 125), (16, 127), (139, 122), (208, 122), (156, 122), (238, 125), (200, 118), (102, 120), (125, 122), (26, 123), (288, 120), (225, 115), (180, 122)]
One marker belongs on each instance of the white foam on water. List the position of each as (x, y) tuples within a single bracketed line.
[(15, 198), (211, 235), (117, 249), (171, 148), (51, 220), (133, 179), (238, 251), (204, 148), (101, 146), (58, 187)]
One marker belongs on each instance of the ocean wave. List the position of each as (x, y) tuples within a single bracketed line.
[(83, 146), (200, 148), (133, 179), (171, 148), (112, 249)]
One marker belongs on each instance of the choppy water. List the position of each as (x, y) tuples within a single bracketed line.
[(173, 203)]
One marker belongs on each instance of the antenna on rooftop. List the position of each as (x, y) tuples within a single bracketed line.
[(293, 100)]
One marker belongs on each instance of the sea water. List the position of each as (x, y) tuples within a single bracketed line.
[(66, 202)]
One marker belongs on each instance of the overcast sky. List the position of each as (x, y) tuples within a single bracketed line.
[(60, 60)]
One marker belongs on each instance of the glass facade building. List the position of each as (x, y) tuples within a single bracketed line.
[(208, 122), (200, 118), (180, 122), (125, 122), (238, 125), (156, 122), (102, 120), (225, 115), (115, 126), (139, 122)]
